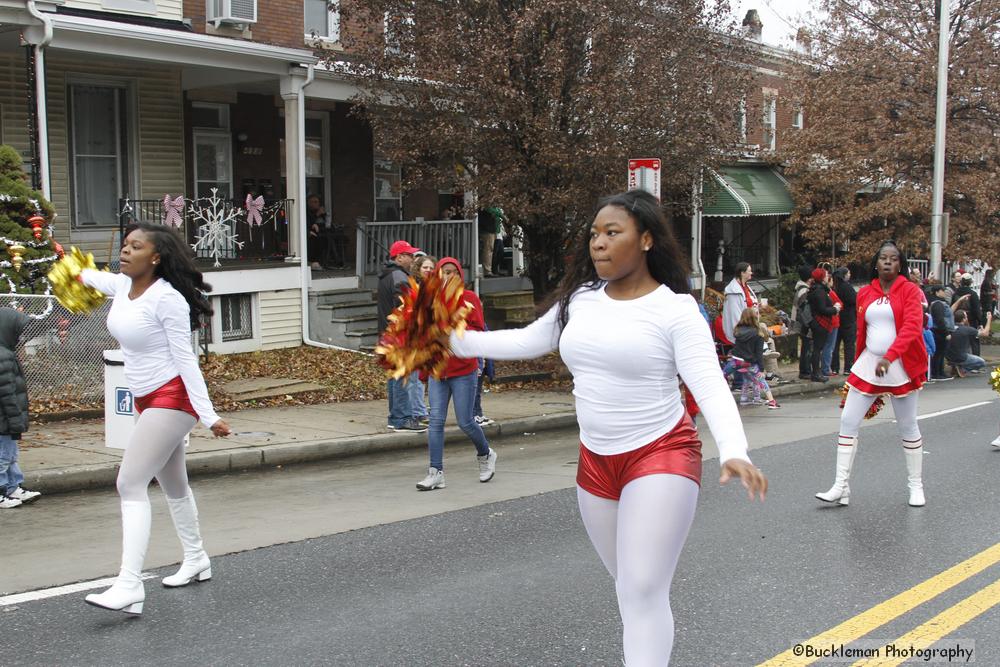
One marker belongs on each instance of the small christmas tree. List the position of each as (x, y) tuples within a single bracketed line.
[(25, 222)]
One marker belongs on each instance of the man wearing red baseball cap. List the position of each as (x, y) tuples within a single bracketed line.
[(391, 281)]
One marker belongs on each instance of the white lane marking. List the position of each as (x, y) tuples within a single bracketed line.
[(41, 594), (944, 412)]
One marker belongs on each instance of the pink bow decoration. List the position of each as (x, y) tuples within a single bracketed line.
[(254, 209), (174, 209)]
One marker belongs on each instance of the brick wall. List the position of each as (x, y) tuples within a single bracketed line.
[(279, 22)]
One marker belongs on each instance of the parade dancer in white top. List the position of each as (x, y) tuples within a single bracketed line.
[(158, 299), (626, 328), (892, 359)]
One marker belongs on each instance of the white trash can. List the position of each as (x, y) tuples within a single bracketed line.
[(119, 407)]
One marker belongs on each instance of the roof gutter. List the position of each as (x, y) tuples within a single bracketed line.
[(41, 108)]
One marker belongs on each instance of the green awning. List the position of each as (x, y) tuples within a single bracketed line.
[(745, 190)]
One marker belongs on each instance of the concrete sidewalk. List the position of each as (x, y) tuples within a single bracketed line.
[(69, 456)]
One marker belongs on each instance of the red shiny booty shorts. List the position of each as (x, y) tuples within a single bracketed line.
[(677, 452), (171, 396)]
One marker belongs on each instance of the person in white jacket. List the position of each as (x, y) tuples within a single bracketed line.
[(738, 297), (158, 299), (628, 331)]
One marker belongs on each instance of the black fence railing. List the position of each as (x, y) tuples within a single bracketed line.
[(218, 229)]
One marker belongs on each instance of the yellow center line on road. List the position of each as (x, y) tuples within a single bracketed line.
[(860, 625), (939, 627)]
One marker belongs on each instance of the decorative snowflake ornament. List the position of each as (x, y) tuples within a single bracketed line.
[(216, 220)]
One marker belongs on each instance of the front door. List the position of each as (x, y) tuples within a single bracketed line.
[(213, 164)]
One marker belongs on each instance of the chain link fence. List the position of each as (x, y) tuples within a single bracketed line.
[(62, 353)]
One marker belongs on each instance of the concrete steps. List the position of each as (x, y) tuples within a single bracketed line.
[(344, 317), (509, 310)]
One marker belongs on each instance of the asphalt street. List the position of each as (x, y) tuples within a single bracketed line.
[(460, 577)]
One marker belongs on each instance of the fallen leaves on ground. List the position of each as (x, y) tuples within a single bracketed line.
[(347, 376)]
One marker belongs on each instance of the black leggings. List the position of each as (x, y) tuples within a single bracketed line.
[(846, 337)]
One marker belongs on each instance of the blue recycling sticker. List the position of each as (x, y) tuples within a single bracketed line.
[(123, 401)]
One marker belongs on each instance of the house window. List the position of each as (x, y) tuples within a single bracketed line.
[(797, 117), (321, 20), (100, 156), (770, 118), (388, 193), (236, 314)]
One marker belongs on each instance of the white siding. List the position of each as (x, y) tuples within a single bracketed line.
[(158, 126), (280, 319), (14, 99), (170, 10)]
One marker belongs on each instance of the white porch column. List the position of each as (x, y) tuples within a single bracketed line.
[(772, 254), (295, 138), (697, 268)]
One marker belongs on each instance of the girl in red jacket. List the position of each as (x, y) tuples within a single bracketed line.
[(891, 360), (458, 385)]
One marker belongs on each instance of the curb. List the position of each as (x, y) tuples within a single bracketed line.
[(242, 459)]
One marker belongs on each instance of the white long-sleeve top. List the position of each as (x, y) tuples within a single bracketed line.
[(625, 357), (154, 332)]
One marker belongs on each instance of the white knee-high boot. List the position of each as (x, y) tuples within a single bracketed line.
[(196, 564), (127, 593), (840, 492), (914, 452)]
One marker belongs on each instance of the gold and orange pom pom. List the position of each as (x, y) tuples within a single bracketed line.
[(995, 379), (873, 410), (73, 294), (417, 335)]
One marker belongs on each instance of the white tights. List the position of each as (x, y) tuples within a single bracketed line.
[(904, 407), (639, 538), (156, 449)]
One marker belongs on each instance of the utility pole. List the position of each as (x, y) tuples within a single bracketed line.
[(937, 202)]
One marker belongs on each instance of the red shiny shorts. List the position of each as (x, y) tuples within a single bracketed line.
[(677, 452), (171, 396)]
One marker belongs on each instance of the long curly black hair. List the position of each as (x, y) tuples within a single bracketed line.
[(666, 260), (904, 265), (177, 267)]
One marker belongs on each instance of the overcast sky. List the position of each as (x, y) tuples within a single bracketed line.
[(776, 15)]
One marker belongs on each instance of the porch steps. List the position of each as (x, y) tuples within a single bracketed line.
[(509, 310), (344, 317)]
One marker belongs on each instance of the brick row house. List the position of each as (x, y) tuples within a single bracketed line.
[(744, 202), (117, 104)]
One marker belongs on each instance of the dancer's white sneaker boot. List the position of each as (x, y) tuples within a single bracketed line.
[(127, 593), (914, 473), (840, 492), (196, 565)]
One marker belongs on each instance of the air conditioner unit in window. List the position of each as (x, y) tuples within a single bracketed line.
[(242, 12)]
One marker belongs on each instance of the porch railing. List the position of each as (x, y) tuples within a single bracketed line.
[(440, 238), (267, 240)]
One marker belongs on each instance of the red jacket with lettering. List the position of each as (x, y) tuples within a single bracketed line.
[(905, 301)]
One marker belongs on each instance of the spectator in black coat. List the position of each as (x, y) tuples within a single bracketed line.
[(391, 282), (972, 307), (987, 294), (13, 410), (848, 320), (823, 311)]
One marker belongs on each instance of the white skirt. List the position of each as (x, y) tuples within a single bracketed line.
[(865, 365)]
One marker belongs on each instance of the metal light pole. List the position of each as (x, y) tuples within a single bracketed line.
[(937, 202)]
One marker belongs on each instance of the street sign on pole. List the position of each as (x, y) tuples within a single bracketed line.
[(644, 174)]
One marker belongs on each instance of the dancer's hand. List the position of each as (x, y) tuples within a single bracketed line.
[(882, 367), (220, 429), (750, 476)]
